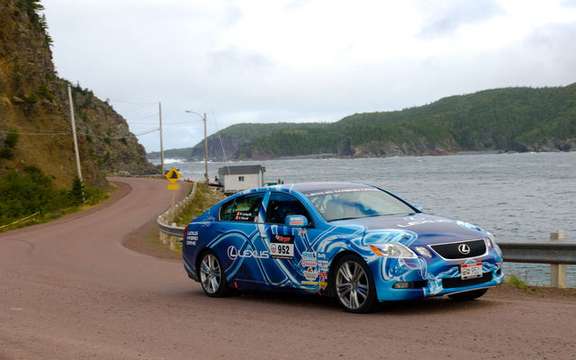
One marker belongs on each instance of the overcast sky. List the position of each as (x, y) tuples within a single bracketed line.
[(302, 60)]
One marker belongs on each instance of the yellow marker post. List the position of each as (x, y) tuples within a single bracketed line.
[(173, 186)]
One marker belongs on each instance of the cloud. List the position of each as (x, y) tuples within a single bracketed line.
[(295, 60), (445, 17), (233, 59)]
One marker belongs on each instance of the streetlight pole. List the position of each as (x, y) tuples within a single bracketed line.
[(204, 120), (161, 139)]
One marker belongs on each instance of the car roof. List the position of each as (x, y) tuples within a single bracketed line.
[(319, 187)]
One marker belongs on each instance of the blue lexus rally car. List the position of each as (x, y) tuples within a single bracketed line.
[(356, 242)]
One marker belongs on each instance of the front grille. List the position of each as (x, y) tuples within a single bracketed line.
[(457, 282), (452, 250)]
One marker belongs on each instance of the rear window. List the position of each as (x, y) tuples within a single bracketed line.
[(244, 208)]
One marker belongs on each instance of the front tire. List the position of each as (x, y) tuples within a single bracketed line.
[(468, 295), (353, 285), (212, 277)]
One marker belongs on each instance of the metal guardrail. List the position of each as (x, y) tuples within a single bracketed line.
[(171, 230), (170, 233), (550, 252)]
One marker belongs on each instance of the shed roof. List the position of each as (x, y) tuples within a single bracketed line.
[(241, 169)]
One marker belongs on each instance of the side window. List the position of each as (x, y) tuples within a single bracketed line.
[(281, 205), (241, 178), (244, 208)]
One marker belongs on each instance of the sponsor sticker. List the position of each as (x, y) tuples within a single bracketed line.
[(244, 216), (282, 247), (306, 282), (309, 259), (340, 191), (311, 274), (323, 265), (323, 279)]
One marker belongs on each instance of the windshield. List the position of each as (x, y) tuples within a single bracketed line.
[(342, 204)]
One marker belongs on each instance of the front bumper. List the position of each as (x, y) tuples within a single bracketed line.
[(421, 278)]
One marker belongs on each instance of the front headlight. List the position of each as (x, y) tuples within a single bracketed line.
[(490, 240), (397, 251), (491, 243), (423, 251)]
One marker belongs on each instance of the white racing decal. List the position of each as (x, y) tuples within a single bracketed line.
[(233, 253), (191, 238)]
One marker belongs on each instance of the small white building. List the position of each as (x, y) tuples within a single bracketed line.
[(241, 177)]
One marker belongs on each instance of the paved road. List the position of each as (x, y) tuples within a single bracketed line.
[(70, 290)]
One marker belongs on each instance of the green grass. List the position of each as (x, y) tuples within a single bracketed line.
[(204, 198), (516, 282)]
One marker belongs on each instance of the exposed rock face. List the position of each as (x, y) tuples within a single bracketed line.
[(33, 101)]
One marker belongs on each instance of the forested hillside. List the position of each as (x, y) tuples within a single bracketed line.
[(509, 119)]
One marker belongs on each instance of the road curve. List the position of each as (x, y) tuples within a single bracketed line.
[(70, 290)]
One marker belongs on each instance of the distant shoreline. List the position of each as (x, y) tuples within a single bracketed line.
[(336, 156)]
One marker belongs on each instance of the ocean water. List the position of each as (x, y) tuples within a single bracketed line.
[(518, 197)]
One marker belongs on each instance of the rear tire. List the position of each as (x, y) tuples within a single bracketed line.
[(212, 277), (468, 296), (353, 285)]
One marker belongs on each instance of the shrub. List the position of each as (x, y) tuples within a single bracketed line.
[(77, 194), (7, 150), (26, 192)]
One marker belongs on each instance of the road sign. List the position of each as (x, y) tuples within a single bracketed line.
[(173, 175), (173, 186)]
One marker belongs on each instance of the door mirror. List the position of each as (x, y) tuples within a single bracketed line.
[(298, 221)]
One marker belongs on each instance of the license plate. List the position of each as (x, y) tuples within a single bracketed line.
[(470, 271)]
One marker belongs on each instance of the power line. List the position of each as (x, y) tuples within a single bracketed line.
[(131, 102), (38, 133), (46, 133)]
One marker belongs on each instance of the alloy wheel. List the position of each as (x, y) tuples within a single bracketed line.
[(210, 274), (352, 285)]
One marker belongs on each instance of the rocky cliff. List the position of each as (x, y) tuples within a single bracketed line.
[(34, 122)]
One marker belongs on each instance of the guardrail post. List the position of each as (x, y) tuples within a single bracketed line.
[(173, 243), (558, 271)]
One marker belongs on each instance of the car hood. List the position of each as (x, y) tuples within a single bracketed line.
[(428, 229)]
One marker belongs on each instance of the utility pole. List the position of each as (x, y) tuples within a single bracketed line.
[(161, 139), (205, 150), (73, 122)]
